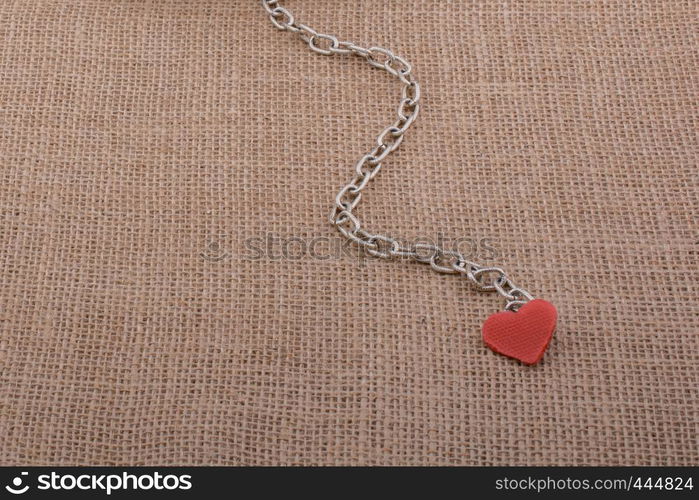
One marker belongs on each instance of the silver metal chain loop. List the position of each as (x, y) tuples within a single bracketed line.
[(485, 278)]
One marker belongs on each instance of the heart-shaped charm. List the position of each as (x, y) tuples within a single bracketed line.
[(523, 335)]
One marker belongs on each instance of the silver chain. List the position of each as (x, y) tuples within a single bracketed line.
[(343, 217)]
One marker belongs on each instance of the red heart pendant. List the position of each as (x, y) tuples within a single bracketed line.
[(523, 335)]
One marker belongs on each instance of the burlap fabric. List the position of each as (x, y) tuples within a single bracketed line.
[(150, 148)]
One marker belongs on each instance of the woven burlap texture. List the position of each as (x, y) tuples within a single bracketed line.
[(151, 151)]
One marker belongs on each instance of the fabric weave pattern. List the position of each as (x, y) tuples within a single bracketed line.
[(151, 151)]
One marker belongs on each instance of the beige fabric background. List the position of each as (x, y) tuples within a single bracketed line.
[(142, 143)]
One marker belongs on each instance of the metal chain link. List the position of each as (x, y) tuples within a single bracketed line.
[(441, 260)]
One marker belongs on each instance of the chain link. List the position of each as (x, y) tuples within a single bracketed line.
[(342, 216)]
